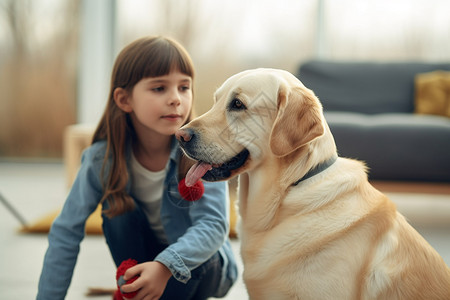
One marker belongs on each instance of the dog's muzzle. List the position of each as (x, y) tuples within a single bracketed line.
[(204, 154)]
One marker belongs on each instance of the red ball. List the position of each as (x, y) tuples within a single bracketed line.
[(191, 193), (117, 295), (124, 266)]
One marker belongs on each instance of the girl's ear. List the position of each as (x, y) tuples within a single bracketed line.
[(122, 99)]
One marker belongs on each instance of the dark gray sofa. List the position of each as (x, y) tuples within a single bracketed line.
[(370, 110)]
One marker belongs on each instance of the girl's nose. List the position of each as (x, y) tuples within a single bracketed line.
[(175, 98)]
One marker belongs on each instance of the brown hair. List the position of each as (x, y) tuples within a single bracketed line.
[(145, 57)]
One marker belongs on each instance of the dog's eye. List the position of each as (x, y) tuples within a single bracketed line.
[(237, 104)]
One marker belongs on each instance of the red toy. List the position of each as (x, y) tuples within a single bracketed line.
[(124, 266), (191, 193)]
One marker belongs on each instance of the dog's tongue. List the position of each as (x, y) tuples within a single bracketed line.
[(196, 172)]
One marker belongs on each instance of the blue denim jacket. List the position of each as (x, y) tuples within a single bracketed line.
[(195, 230)]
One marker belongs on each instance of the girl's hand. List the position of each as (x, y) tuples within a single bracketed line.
[(152, 281)]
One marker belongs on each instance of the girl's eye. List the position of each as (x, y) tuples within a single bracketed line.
[(185, 88), (237, 104), (158, 89)]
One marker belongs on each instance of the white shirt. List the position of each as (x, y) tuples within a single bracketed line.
[(147, 188)]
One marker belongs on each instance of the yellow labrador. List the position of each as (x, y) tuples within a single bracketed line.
[(312, 227)]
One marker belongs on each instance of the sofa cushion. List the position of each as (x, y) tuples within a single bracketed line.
[(365, 87), (433, 93), (395, 146)]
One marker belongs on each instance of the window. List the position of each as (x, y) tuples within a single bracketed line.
[(38, 69)]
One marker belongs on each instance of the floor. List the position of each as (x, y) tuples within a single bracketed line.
[(35, 189)]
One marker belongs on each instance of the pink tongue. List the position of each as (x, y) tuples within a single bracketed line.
[(196, 172)]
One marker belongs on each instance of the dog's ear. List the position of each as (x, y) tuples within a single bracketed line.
[(298, 120)]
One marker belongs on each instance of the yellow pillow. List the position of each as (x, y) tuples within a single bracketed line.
[(432, 93), (93, 223)]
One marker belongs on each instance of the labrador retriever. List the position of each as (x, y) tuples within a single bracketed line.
[(312, 226)]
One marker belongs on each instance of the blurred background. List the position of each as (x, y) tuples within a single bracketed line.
[(56, 55)]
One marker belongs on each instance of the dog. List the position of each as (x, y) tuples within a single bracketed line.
[(311, 224)]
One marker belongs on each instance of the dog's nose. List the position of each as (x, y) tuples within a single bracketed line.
[(184, 135)]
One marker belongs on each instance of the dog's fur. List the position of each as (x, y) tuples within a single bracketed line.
[(332, 236)]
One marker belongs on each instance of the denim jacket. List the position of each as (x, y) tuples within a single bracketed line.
[(195, 230)]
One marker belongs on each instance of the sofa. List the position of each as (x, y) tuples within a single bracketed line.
[(376, 115)]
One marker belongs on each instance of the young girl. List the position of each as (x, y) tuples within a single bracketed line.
[(133, 168)]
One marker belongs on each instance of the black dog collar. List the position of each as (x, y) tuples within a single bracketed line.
[(317, 169)]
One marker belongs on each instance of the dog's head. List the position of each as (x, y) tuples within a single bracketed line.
[(257, 115)]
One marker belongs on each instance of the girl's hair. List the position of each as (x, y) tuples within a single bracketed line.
[(145, 57)]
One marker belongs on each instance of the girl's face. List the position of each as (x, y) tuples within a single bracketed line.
[(161, 104)]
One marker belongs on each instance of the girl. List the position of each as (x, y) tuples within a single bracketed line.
[(132, 168)]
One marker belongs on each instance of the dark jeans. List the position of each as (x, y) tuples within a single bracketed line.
[(130, 236)]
